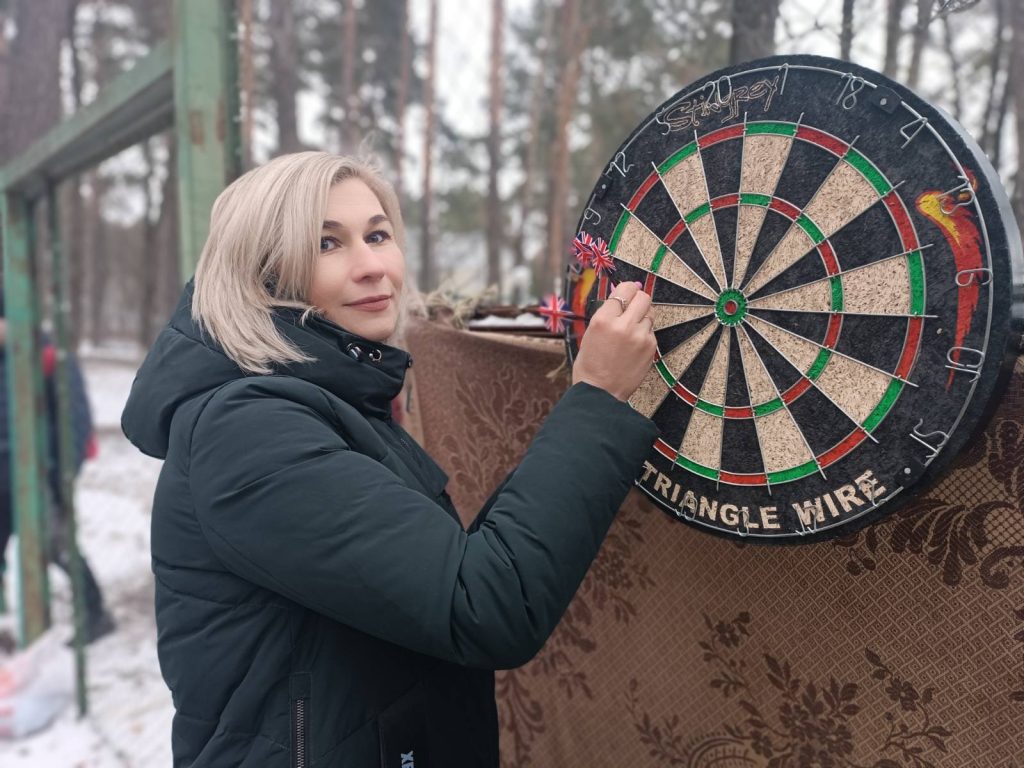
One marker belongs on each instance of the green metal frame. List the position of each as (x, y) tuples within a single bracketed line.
[(189, 82)]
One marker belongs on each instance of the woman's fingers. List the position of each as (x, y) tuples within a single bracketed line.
[(639, 306)]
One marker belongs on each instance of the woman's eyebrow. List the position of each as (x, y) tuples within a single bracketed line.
[(337, 225)]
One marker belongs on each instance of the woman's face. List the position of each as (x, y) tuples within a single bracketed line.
[(358, 275)]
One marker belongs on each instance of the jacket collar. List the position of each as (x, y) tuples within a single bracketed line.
[(363, 373)]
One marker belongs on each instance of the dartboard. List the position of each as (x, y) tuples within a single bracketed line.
[(832, 264)]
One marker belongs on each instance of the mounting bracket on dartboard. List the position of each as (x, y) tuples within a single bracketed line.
[(834, 266)]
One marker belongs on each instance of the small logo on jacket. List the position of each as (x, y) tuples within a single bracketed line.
[(407, 760)]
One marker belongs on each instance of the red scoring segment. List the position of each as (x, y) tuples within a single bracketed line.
[(831, 143), (903, 224), (722, 134), (675, 232), (649, 182)]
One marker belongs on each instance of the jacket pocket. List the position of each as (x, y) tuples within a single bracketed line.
[(299, 690), (404, 733)]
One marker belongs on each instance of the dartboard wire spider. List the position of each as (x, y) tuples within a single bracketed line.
[(760, 277), (753, 278), (833, 350), (815, 384), (720, 277), (682, 217), (740, 266), (750, 349), (710, 295), (756, 304)]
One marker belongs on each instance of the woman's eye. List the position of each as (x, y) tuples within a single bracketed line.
[(378, 237), (327, 243)]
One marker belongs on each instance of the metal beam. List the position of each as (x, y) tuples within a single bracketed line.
[(24, 414), (66, 448), (206, 106), (133, 107)]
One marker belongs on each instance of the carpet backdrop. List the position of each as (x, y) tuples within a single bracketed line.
[(901, 645)]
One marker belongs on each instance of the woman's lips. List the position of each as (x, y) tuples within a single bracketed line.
[(373, 306)]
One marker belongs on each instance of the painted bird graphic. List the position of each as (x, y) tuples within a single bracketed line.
[(960, 231)]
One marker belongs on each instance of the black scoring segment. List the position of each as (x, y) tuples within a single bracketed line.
[(657, 211), (853, 249), (773, 229), (806, 168), (675, 413), (781, 371), (876, 341), (722, 167), (672, 336), (725, 224), (740, 445), (737, 395), (693, 377)]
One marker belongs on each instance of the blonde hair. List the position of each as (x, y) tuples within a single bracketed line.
[(265, 229)]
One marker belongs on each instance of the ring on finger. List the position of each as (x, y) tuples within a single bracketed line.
[(622, 301)]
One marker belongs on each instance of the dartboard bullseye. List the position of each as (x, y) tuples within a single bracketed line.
[(832, 264)]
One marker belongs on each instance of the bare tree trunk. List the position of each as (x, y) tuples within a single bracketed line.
[(72, 205), (149, 309), (5, 82), (147, 298), (34, 85), (168, 258), (427, 270), (893, 33), (924, 14), (846, 34), (32, 105), (574, 39), (1017, 79), (350, 98), (1004, 106), (995, 66), (284, 64), (100, 272), (401, 100), (494, 211), (533, 136), (248, 80), (753, 29), (954, 67)]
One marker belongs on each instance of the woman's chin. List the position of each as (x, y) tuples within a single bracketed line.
[(377, 329)]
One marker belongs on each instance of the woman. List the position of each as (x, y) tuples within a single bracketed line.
[(318, 602)]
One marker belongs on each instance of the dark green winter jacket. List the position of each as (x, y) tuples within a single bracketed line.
[(318, 602)]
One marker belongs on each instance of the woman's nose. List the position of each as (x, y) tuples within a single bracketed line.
[(369, 262)]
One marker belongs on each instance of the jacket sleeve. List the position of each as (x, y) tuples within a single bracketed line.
[(285, 504)]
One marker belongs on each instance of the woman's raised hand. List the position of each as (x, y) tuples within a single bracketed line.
[(618, 347)]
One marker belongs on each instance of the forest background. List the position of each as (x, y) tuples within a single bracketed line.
[(494, 118)]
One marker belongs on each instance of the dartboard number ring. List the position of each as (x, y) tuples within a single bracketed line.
[(831, 264)]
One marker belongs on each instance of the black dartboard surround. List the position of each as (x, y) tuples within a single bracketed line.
[(833, 265)]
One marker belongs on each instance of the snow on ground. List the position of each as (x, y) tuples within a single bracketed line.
[(129, 720)]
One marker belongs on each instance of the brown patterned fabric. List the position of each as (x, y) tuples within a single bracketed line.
[(902, 645)]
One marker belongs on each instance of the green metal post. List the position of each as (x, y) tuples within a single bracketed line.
[(206, 102), (66, 440), (26, 424)]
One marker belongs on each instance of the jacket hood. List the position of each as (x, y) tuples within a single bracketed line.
[(184, 363)]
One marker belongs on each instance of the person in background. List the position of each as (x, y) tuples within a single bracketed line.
[(98, 621), (318, 602)]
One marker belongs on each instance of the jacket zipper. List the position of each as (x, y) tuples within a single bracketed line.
[(299, 733), (299, 694)]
